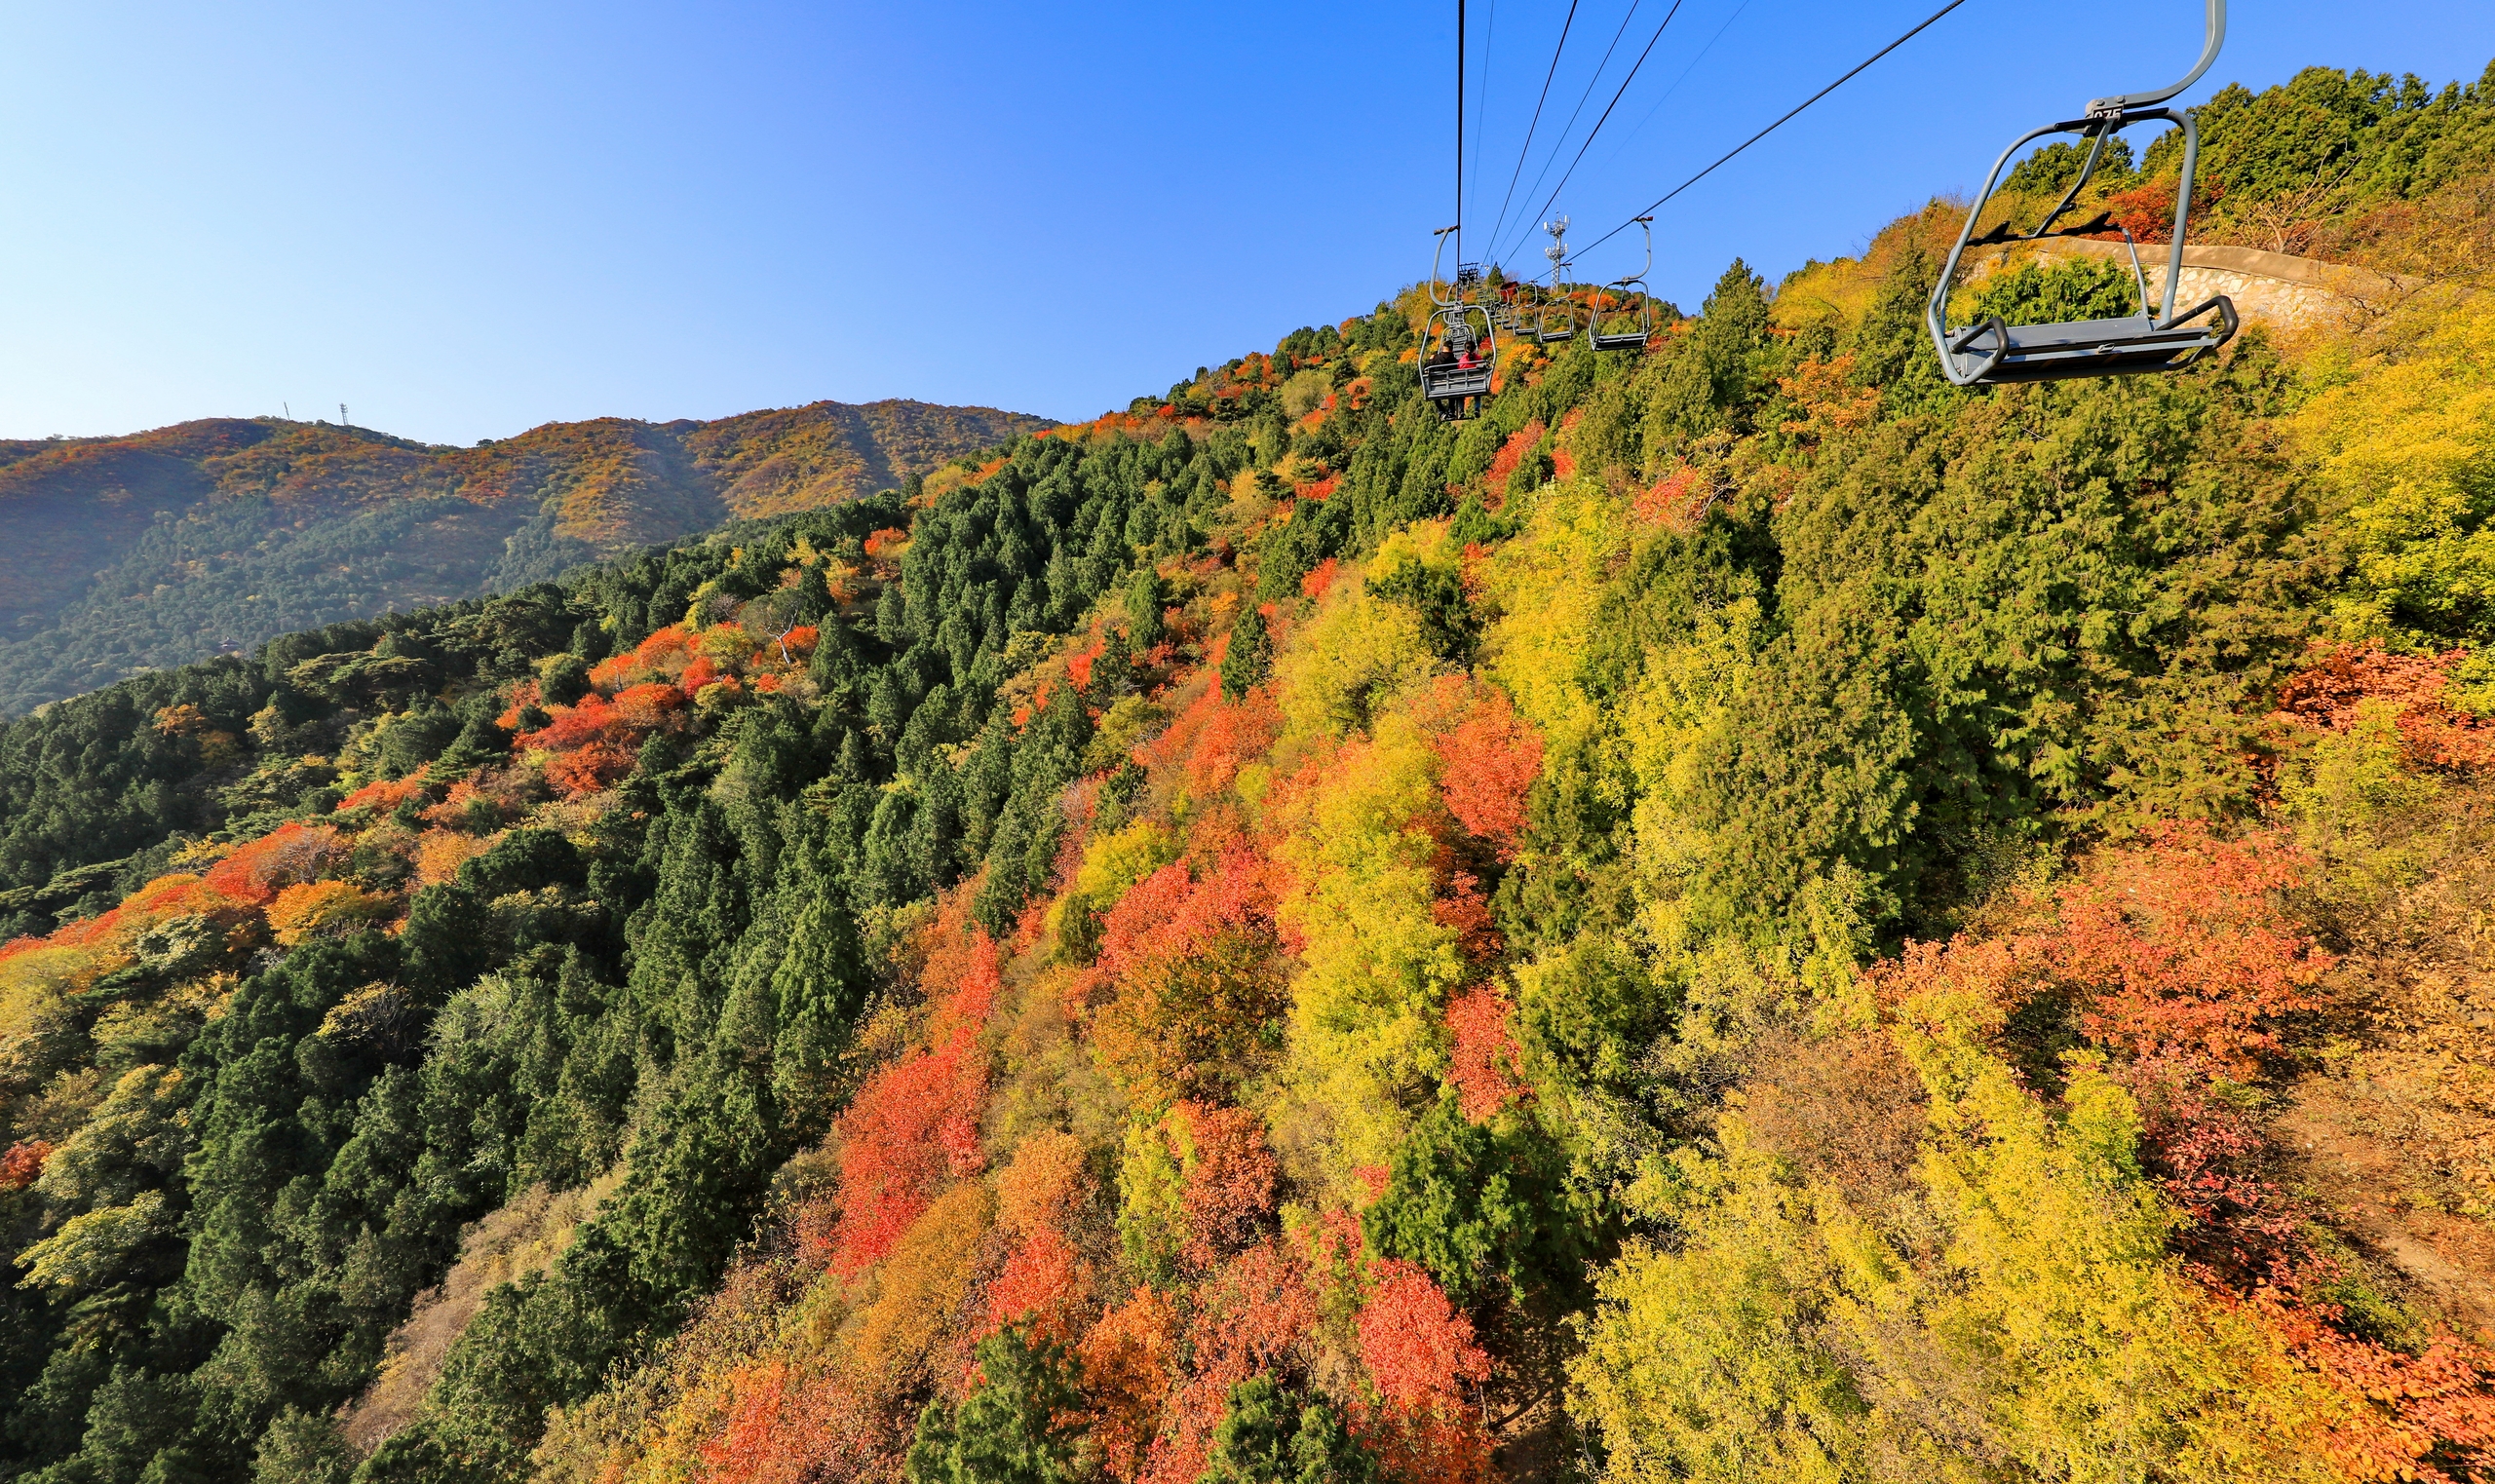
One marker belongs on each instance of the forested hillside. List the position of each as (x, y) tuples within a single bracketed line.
[(211, 537), (1747, 914)]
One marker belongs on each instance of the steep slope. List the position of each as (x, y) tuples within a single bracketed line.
[(214, 536), (1746, 912)]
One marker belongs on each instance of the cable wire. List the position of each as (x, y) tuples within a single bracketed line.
[(1577, 112), (1481, 111), (1621, 143), (1608, 107), (1779, 124), (1526, 148)]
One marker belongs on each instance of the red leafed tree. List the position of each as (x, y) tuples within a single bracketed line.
[(749, 1441), (644, 708), (2180, 949), (384, 794), (1249, 1313), (1188, 980), (595, 741), (290, 853), (1491, 758), (1421, 1355), (1228, 1195), (22, 1162), (1484, 1064), (2405, 1411), (1674, 502), (784, 1428), (1044, 1282), (962, 973), (586, 770), (1209, 743), (1464, 907), (662, 653), (915, 1122), (912, 1127), (2327, 693), (1418, 1350), (1512, 453), (589, 719)]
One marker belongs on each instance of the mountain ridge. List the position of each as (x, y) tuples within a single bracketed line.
[(212, 535)]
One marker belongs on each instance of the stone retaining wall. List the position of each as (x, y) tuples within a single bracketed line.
[(2273, 289)]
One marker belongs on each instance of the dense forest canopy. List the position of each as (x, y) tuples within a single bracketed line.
[(1745, 913)]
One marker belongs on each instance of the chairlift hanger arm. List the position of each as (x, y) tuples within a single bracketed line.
[(1435, 254), (2214, 39)]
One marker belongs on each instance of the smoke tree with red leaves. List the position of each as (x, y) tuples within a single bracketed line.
[(1482, 1066), (1186, 986)]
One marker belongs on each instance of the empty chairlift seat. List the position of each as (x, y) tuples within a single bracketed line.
[(2159, 337), (1631, 328)]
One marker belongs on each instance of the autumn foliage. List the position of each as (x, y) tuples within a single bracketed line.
[(2178, 956)]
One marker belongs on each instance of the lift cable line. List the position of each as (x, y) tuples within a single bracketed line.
[(1526, 148), (1779, 124), (1481, 110), (1620, 143), (1458, 228), (1574, 114), (1616, 96)]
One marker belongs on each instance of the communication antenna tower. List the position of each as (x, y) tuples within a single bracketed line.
[(1558, 251), (343, 416)]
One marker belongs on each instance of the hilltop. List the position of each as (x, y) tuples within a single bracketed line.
[(210, 536)]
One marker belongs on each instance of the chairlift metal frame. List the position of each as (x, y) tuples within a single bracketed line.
[(1456, 391), (1555, 320), (1993, 352), (1629, 340)]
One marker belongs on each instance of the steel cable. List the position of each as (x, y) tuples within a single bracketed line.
[(1616, 96), (1526, 148), (1779, 124)]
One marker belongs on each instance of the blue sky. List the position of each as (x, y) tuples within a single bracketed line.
[(466, 219)]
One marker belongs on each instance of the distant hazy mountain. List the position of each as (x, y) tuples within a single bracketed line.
[(130, 553)]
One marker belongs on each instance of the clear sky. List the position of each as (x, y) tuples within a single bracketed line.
[(465, 219)]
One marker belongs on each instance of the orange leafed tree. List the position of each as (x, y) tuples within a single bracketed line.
[(1188, 983), (1483, 1064)]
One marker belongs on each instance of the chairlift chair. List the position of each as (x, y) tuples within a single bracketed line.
[(1555, 322), (1463, 329), (1994, 351), (1635, 285), (1555, 318)]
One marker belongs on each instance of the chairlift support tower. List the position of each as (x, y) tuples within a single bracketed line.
[(1557, 322)]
